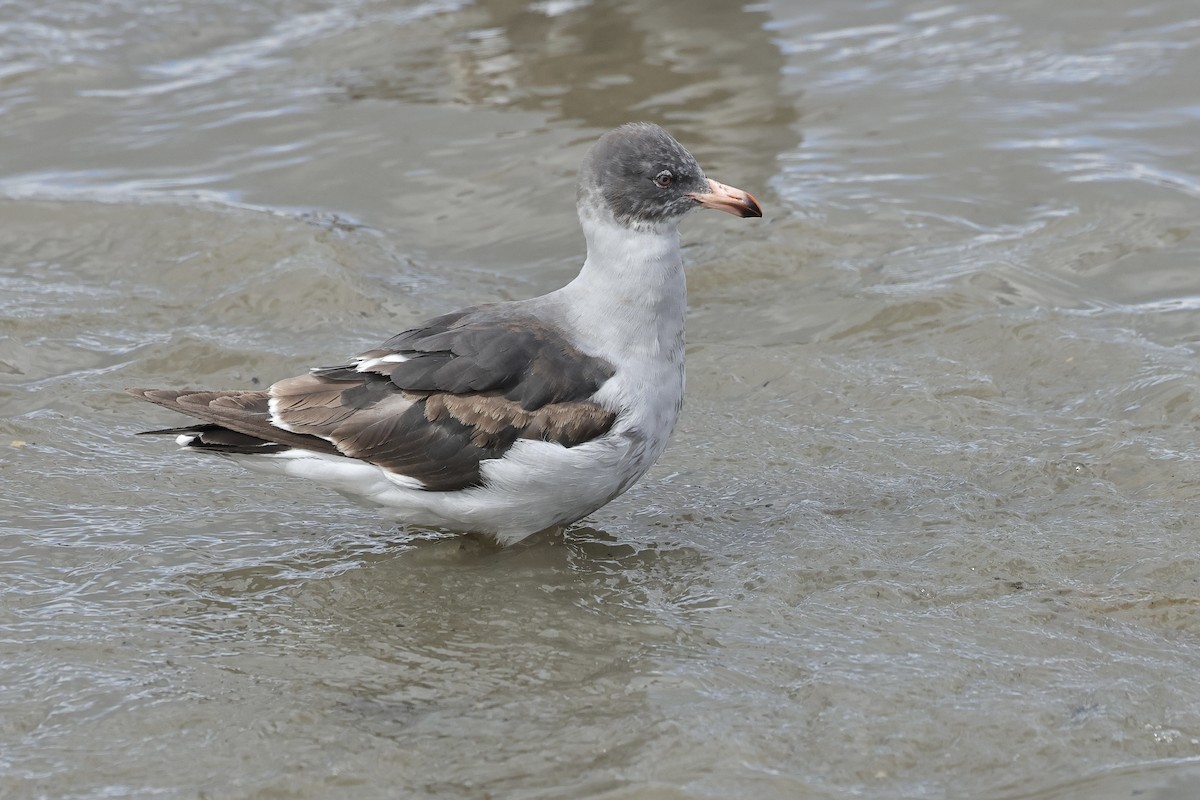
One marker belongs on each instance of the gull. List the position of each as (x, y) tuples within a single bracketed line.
[(503, 419)]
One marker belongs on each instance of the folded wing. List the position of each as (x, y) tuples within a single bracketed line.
[(431, 403)]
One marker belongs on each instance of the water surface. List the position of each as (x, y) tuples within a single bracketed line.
[(928, 527)]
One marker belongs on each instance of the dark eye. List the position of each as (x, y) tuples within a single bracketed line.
[(664, 178)]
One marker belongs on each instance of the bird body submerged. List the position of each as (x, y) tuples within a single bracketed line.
[(510, 418)]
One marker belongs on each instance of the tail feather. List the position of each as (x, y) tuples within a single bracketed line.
[(235, 422), (216, 439)]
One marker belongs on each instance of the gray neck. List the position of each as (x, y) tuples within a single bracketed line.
[(630, 298)]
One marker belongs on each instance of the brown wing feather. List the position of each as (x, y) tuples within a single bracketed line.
[(243, 412)]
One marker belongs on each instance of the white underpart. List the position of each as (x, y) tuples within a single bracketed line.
[(627, 305), (350, 476)]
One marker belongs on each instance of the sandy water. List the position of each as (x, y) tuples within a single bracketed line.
[(928, 528)]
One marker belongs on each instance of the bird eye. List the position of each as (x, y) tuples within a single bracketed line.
[(664, 178)]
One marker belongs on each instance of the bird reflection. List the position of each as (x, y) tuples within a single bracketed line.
[(707, 69)]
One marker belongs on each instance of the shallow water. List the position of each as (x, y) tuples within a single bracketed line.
[(928, 528)]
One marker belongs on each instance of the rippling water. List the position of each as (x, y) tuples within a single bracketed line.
[(929, 526)]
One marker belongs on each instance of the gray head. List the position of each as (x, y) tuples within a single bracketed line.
[(644, 178)]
